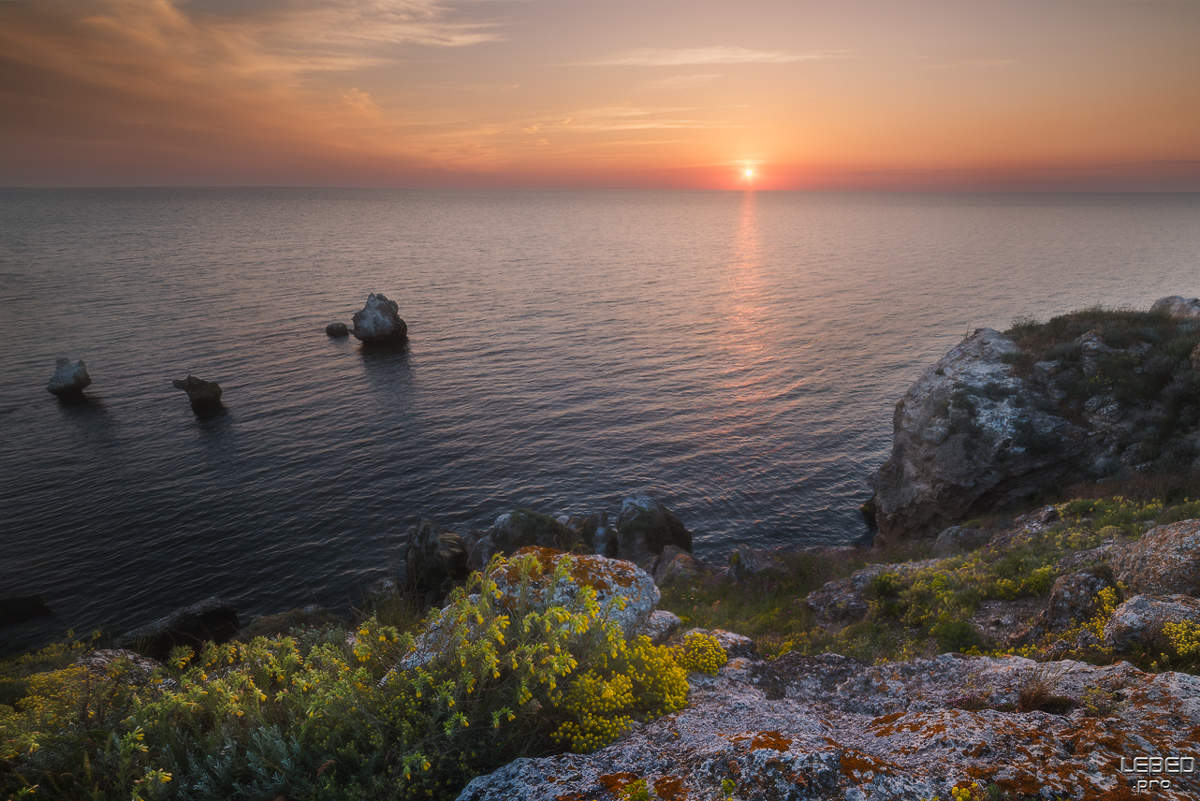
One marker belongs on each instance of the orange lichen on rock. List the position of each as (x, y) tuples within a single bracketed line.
[(616, 782), (585, 570), (670, 788)]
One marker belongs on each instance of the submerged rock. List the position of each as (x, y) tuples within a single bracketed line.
[(829, 728), (379, 321), (69, 380), (210, 619), (337, 330), (205, 396)]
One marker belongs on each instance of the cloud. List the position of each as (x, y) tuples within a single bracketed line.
[(717, 54), (672, 82)]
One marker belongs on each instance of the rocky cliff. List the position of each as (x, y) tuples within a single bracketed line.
[(1004, 417)]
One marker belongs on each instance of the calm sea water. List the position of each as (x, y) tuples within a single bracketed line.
[(737, 355)]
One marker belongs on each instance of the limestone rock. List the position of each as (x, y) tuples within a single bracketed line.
[(1136, 625), (831, 729), (434, 561), (210, 619), (661, 625), (675, 564), (205, 396), (959, 539), (378, 322), (69, 380), (645, 527), (523, 528), (1072, 601), (1177, 306), (1164, 561), (840, 602), (969, 434)]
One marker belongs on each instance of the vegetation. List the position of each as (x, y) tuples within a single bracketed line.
[(330, 714), (931, 609)]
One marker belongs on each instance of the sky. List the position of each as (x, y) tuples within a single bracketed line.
[(808, 94)]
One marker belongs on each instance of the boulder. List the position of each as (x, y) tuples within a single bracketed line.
[(645, 527), (626, 594), (131, 666), (970, 435), (1177, 306), (1164, 561), (959, 539), (831, 729), (434, 561), (205, 396), (839, 602), (675, 564), (661, 625), (1073, 600), (209, 620), (69, 380), (378, 322), (1136, 625), (522, 528), (337, 330), (20, 608)]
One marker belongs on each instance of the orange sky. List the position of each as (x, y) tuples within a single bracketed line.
[(886, 93)]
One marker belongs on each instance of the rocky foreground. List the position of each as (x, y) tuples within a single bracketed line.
[(829, 727)]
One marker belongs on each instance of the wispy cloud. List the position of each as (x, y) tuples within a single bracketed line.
[(717, 54), (673, 82)]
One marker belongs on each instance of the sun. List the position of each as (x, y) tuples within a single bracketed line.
[(748, 173)]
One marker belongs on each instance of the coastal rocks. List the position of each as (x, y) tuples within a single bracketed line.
[(1072, 601), (1164, 561), (609, 578), (829, 728), (20, 608), (69, 380), (1136, 625), (645, 527), (970, 433), (522, 528), (205, 396), (434, 561), (675, 564), (337, 330), (959, 539), (210, 619), (131, 666), (1177, 306), (661, 626), (378, 322), (839, 602)]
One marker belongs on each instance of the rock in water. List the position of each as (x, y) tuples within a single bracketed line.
[(210, 619), (19, 608), (204, 395), (645, 527), (69, 379), (337, 330), (379, 322), (434, 561)]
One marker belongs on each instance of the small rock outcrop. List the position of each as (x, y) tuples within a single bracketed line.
[(69, 380), (378, 322), (1164, 561), (337, 330), (674, 565), (1177, 306), (1072, 601), (1137, 625), (523, 528), (959, 539), (661, 626), (205, 396), (434, 561), (828, 728), (210, 619), (645, 527)]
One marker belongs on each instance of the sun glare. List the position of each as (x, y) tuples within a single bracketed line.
[(748, 173)]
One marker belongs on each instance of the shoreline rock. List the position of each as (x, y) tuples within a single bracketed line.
[(209, 619), (204, 396), (337, 330)]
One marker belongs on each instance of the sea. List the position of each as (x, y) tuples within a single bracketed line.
[(737, 355)]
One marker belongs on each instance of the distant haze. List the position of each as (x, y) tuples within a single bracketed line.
[(1068, 94)]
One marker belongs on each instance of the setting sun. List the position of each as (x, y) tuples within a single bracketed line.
[(748, 173)]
